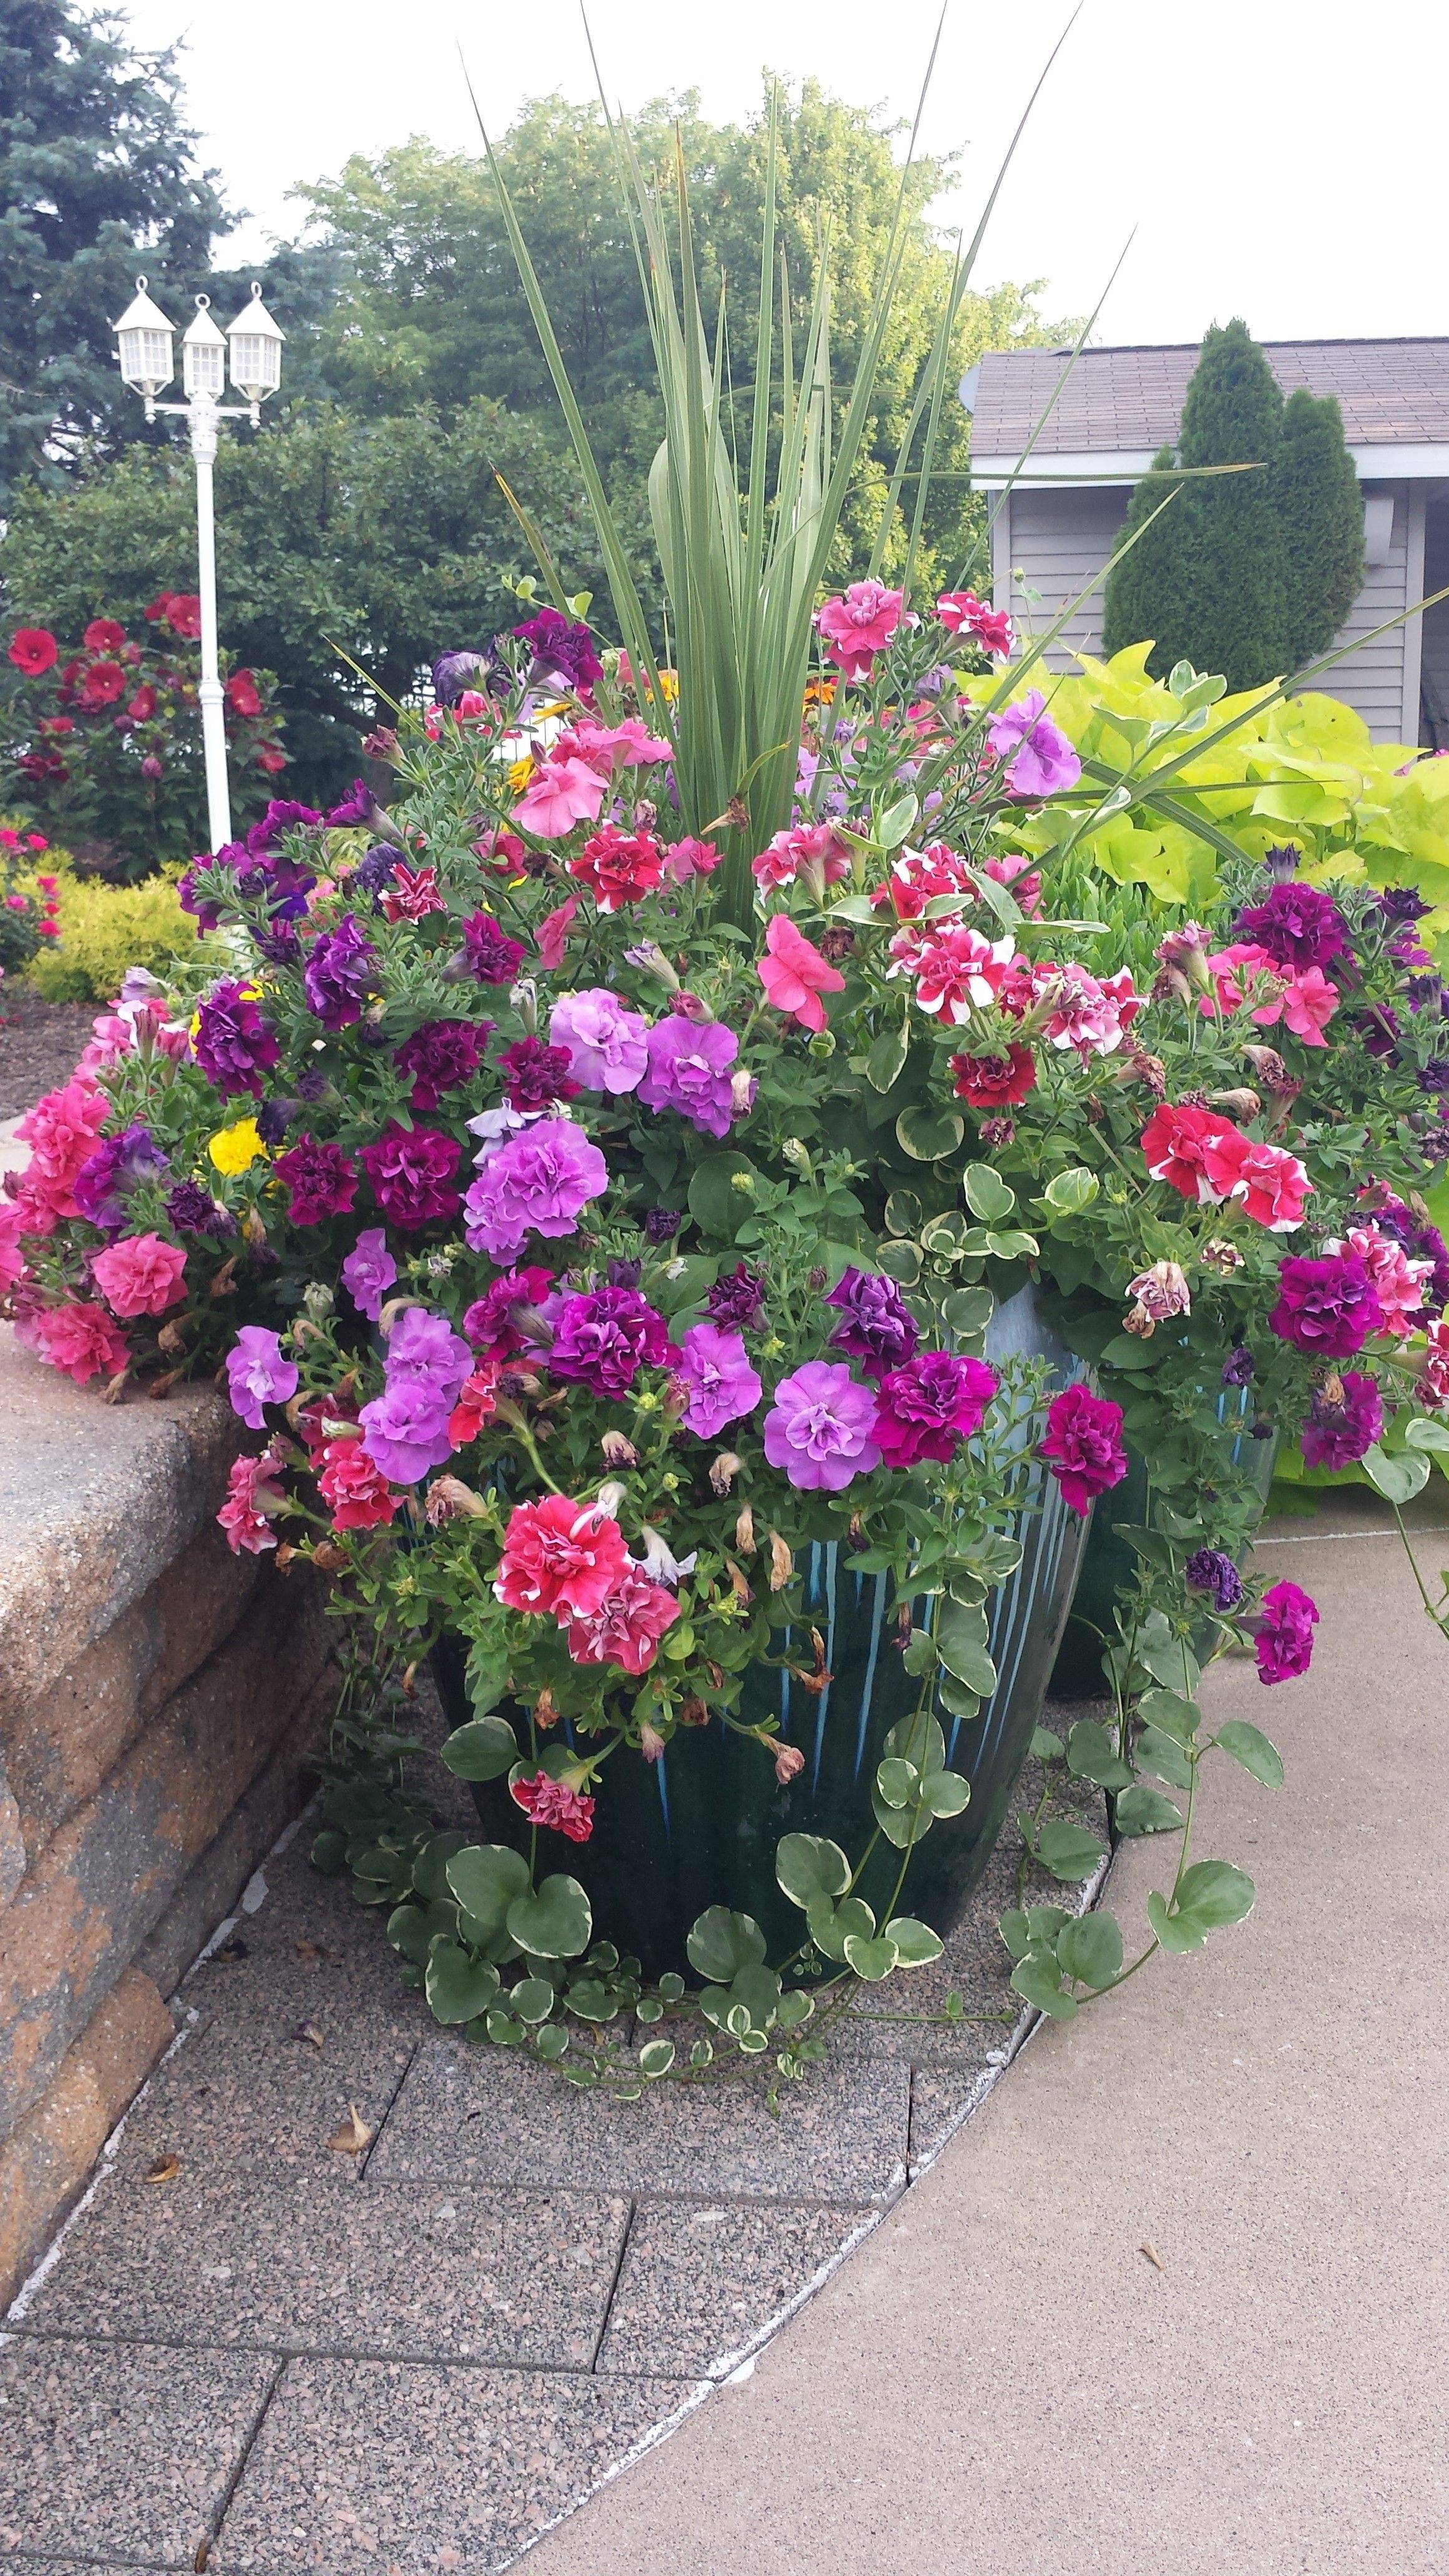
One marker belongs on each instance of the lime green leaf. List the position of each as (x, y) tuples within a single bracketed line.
[(1072, 1191)]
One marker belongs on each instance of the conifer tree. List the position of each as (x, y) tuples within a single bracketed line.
[(1320, 510)]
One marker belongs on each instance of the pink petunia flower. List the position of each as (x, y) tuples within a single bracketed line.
[(627, 1626), (794, 974), (954, 968), (553, 1803), (553, 933), (560, 794), (859, 625), (140, 1275), (561, 1557), (82, 1340), (252, 1495), (1398, 1279)]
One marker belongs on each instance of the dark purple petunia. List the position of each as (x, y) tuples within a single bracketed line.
[(1239, 1368), (411, 1170), (282, 815), (1380, 1030), (322, 1182), (876, 1325), (1402, 906), (1211, 1570), (661, 1225), (536, 1074), (488, 952), (440, 1056), (602, 1340), (338, 974), (1298, 925), (274, 1118), (234, 1045), (102, 1185), (1340, 1428), (193, 1210), (375, 869), (563, 646), (1327, 1308), (455, 672), (736, 1299)]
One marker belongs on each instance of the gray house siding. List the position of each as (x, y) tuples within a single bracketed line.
[(1048, 545)]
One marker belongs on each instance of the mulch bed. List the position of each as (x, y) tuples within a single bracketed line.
[(40, 1045)]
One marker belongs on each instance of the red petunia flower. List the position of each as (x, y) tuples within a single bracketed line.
[(996, 1081)]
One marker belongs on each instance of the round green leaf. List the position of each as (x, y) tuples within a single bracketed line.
[(916, 1944), (1398, 1477), (1141, 1810), (414, 1928), (482, 1750), (554, 1924), (1214, 1893), (831, 1925), (485, 1878), (987, 1194), (656, 2057), (807, 1866), (1091, 1949), (918, 1740), (945, 1793), (900, 1261), (551, 2042), (897, 1782), (927, 1134), (721, 1943), (1038, 1977), (870, 1959), (1068, 1851), (969, 1310), (903, 1212), (430, 1869), (456, 1986), (532, 1998), (1073, 1190)]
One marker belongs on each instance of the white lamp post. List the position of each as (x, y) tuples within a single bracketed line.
[(143, 343)]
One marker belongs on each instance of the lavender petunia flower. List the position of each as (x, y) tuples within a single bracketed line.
[(537, 1182), (689, 1070), (876, 1327), (1044, 761), (257, 1374), (338, 973), (119, 1163), (819, 1428), (722, 1385), (608, 1046), (369, 1271)]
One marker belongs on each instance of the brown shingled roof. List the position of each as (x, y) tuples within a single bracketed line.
[(1392, 393)]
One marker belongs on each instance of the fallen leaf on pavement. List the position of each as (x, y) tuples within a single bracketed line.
[(165, 2169), (1153, 2257), (308, 2030), (353, 2135)]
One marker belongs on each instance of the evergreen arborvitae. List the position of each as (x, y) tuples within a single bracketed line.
[(1320, 510), (1150, 591), (1209, 582)]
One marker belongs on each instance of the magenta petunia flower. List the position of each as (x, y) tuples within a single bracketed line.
[(1338, 1431), (689, 1070), (339, 973), (1083, 1445), (928, 1407), (369, 1271), (820, 1428), (411, 1170), (322, 1181), (607, 1045), (537, 1182), (441, 1056), (1327, 1308), (1284, 1642), (602, 1340), (257, 1374), (488, 952), (497, 1321), (1042, 760), (721, 1382), (536, 1075)]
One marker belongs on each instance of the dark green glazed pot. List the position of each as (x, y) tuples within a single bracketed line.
[(699, 1827), (1108, 1563)]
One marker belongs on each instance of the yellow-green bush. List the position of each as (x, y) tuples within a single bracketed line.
[(106, 928)]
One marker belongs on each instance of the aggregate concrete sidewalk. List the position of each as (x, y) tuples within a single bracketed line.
[(1001, 2382)]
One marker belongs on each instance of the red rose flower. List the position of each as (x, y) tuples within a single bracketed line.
[(32, 650)]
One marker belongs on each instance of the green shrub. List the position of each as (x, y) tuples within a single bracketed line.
[(106, 928), (1320, 508)]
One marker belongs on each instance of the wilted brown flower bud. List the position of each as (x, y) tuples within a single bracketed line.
[(693, 1712), (1137, 1065), (1239, 1104), (1221, 1256), (782, 1563), (742, 1591), (1170, 984), (723, 1472), (449, 1499), (1161, 1292), (745, 1531), (1137, 1320), (544, 1712), (789, 1763), (330, 1559), (618, 1450), (1269, 1068), (651, 1742)]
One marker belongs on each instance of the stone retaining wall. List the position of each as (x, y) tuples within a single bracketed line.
[(160, 1703)]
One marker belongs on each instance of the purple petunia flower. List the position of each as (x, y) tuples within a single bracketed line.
[(354, 807), (234, 1045), (1337, 1434), (1285, 1626), (411, 1170), (1083, 1445), (375, 869), (1044, 761), (488, 952), (1211, 1570), (722, 1385), (537, 1182), (369, 1271), (102, 1185), (274, 1118), (322, 1181), (661, 1225), (930, 1405), (608, 1046), (562, 645), (602, 1340), (737, 1298), (1239, 1368), (424, 1345), (405, 1429), (877, 1326), (820, 1428), (257, 1374), (441, 1056), (193, 1210), (1327, 1308), (338, 973), (689, 1070), (455, 672), (282, 815), (1299, 926)]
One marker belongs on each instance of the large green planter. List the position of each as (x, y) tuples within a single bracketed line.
[(699, 1827), (1108, 1563)]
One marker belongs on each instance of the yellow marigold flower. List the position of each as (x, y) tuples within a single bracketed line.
[(519, 774), (235, 1149)]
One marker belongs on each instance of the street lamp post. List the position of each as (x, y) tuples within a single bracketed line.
[(143, 342)]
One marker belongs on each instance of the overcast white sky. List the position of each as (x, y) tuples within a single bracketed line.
[(1279, 158)]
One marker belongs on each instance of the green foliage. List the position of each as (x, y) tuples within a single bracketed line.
[(1320, 510), (1149, 592), (103, 930), (95, 158)]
